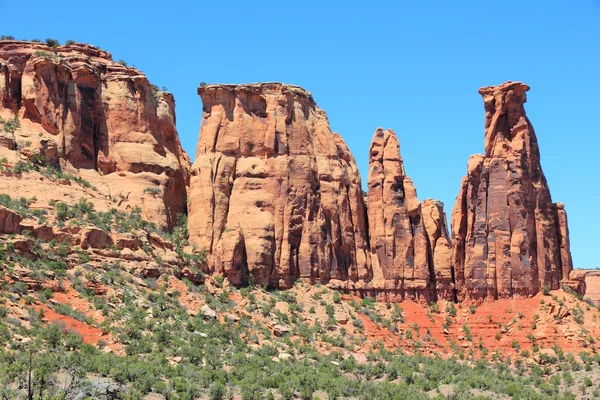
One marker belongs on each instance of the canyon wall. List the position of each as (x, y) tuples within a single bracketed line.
[(79, 110)]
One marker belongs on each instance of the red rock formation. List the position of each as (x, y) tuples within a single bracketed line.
[(563, 239), (576, 281), (274, 194), (585, 283), (509, 239), (592, 286), (408, 240), (396, 233), (82, 110), (440, 247), (10, 220)]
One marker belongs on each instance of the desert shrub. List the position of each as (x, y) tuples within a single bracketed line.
[(152, 190), (546, 290), (52, 43)]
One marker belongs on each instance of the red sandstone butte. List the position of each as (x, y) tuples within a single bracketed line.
[(509, 238), (274, 194)]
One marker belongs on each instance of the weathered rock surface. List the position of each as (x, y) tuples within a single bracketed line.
[(10, 220), (576, 281), (585, 283), (274, 194), (403, 234), (592, 286), (80, 110), (440, 247), (509, 239)]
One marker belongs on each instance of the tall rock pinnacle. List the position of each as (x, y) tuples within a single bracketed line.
[(403, 233), (509, 239), (274, 194), (397, 236)]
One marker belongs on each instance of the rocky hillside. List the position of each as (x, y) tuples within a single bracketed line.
[(73, 110)]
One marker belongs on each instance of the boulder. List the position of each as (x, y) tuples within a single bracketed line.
[(208, 312), (10, 221), (95, 238)]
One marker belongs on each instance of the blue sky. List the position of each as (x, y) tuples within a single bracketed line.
[(411, 66)]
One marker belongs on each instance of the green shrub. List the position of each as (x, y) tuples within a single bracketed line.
[(153, 190), (11, 125), (546, 290), (52, 43), (217, 391)]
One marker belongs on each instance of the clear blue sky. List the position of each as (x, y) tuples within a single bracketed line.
[(411, 66)]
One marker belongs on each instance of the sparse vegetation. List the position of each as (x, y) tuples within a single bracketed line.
[(153, 190), (10, 125)]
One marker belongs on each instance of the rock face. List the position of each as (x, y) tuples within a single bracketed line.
[(274, 194), (81, 110), (10, 220), (440, 248), (592, 286), (509, 239), (408, 240)]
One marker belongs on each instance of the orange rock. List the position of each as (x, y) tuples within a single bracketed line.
[(592, 286), (10, 220), (434, 219), (95, 238), (274, 194), (509, 239), (80, 110), (409, 240)]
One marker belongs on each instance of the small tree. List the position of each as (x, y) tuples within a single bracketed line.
[(217, 391), (52, 43)]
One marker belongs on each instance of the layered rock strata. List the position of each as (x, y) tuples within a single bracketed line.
[(409, 240), (509, 238), (80, 110), (274, 194)]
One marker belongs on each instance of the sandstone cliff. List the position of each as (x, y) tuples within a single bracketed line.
[(509, 239), (80, 111), (274, 194)]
